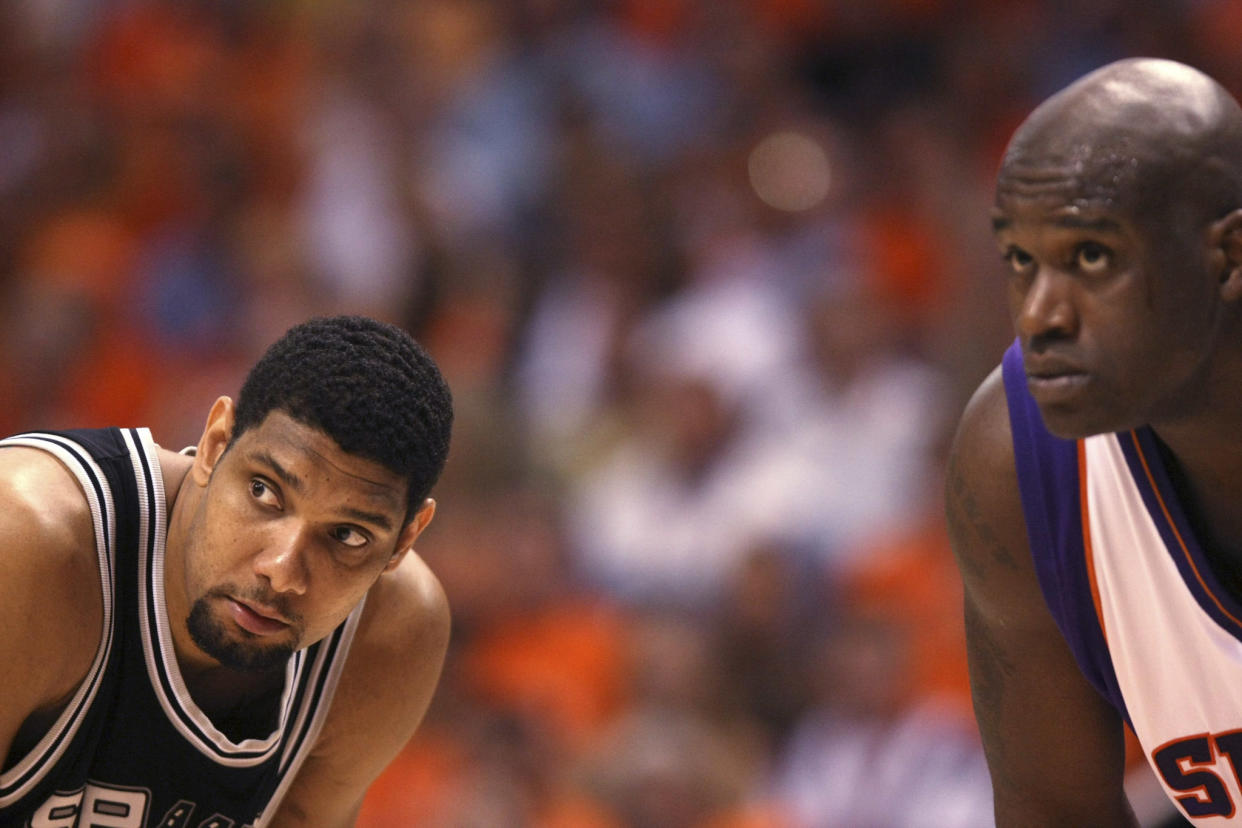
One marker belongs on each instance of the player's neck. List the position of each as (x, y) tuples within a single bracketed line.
[(1208, 486), (240, 704), (1207, 455)]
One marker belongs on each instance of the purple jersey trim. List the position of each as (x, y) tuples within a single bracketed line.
[(1048, 481), (1143, 457)]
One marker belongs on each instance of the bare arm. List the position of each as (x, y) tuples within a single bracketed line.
[(51, 606), (1054, 746), (392, 671)]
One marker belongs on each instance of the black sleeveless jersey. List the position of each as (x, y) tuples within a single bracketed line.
[(132, 749)]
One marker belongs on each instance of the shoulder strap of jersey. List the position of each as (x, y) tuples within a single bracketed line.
[(1049, 480)]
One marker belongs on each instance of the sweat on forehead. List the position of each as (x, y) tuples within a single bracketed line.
[(1128, 127)]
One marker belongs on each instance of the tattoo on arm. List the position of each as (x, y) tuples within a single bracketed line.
[(967, 524), (990, 673)]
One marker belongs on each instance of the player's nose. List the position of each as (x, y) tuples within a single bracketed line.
[(283, 560), (1046, 309)]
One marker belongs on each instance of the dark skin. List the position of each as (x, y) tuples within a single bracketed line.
[(1117, 213), (280, 537)]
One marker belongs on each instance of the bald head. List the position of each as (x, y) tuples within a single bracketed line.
[(1132, 134)]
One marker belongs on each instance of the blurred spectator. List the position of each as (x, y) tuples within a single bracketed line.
[(668, 514), (852, 431), (674, 758), (870, 755)]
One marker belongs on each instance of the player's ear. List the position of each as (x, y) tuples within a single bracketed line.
[(1225, 239), (215, 439), (405, 542)]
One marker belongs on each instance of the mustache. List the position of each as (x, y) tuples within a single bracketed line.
[(260, 597)]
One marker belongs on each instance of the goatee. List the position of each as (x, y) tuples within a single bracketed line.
[(240, 654)]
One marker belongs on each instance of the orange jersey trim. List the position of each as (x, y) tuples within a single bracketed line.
[(1088, 551)]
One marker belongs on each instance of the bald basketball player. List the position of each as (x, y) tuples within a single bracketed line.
[(1095, 480), (235, 635)]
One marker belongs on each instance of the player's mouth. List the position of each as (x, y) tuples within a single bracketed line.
[(256, 619), (1056, 386), (1051, 377)]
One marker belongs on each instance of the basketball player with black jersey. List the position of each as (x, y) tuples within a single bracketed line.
[(1094, 485), (239, 634)]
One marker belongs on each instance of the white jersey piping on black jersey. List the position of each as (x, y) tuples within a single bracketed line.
[(23, 776), (157, 642), (301, 696), (311, 677)]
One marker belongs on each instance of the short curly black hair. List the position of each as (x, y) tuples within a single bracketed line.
[(366, 384)]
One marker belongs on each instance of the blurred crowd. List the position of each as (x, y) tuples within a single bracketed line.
[(710, 280)]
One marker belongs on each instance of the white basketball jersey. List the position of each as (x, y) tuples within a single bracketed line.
[(1136, 599), (1171, 630)]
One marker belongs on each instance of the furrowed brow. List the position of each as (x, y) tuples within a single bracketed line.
[(375, 519), (286, 477)]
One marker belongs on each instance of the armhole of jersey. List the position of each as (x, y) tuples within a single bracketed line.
[(30, 770), (1050, 482)]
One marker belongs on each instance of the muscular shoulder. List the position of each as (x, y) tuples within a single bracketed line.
[(46, 528), (1053, 744), (983, 432), (395, 659), (390, 675), (50, 598), (405, 623), (984, 506), (982, 483)]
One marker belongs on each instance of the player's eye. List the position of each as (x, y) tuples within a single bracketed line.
[(1092, 258), (262, 492), (1021, 262), (349, 536)]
